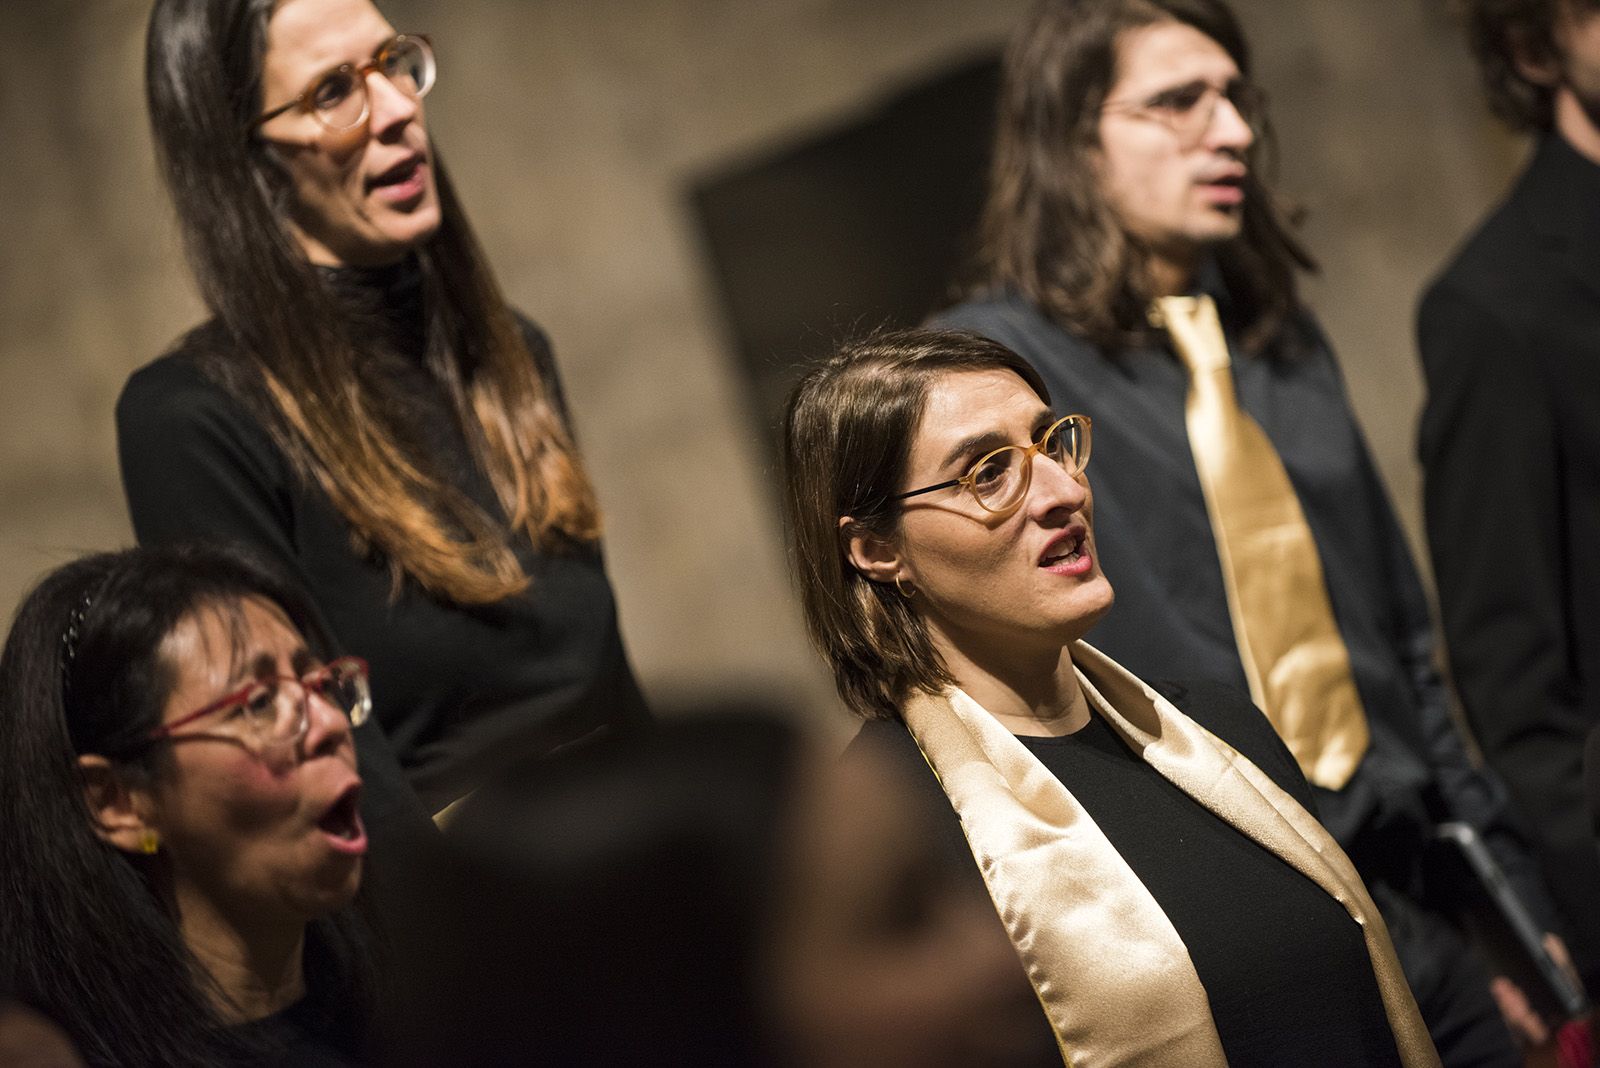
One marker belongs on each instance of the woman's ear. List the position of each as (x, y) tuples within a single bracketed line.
[(875, 556), (116, 809)]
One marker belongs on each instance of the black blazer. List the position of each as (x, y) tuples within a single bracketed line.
[(1510, 446)]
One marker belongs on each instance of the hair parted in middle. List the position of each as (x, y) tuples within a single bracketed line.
[(847, 435), (1047, 231), (302, 371)]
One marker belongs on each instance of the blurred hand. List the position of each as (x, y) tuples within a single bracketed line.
[(1526, 1024)]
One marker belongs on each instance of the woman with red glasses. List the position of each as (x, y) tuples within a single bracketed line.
[(180, 810), (364, 407)]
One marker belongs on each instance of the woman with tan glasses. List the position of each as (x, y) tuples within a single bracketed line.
[(1149, 847)]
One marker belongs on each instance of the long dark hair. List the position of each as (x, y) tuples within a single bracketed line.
[(301, 371), (847, 435), (1047, 231), (89, 934)]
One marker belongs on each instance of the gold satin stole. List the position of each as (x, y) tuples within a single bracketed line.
[(1111, 972)]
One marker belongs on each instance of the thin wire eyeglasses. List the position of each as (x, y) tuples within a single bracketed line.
[(339, 99), (1001, 478), (275, 711), (1190, 110)]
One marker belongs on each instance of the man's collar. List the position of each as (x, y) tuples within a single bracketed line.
[(1208, 279), (1560, 193), (1563, 187)]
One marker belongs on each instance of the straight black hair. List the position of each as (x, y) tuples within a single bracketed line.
[(89, 934)]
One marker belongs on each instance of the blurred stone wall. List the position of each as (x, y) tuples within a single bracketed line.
[(572, 128)]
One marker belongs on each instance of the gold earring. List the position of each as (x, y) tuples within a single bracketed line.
[(901, 585), (149, 842)]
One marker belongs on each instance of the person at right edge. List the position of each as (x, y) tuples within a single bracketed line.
[(1135, 256), (1510, 444)]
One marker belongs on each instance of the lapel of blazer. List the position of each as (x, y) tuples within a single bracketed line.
[(1560, 194)]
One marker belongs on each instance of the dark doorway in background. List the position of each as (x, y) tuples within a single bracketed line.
[(863, 225)]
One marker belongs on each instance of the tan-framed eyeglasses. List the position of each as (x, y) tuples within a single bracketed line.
[(339, 99), (1190, 110), (1000, 479)]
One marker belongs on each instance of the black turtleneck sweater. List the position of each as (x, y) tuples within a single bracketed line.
[(458, 690)]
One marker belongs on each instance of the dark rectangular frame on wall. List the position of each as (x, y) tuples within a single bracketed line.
[(863, 225)]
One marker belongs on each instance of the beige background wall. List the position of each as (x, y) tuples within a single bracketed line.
[(572, 128)]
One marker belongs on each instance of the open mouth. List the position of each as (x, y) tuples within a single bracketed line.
[(342, 821), (402, 185), (1066, 552), (399, 174)]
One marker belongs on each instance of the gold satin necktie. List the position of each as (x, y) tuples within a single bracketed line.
[(1293, 655)]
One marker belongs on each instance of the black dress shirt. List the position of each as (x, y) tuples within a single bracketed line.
[(1171, 617)]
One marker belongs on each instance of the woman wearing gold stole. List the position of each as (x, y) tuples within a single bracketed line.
[(1148, 847)]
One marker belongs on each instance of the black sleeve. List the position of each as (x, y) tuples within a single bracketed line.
[(196, 466), (544, 361), (1492, 505), (1463, 790)]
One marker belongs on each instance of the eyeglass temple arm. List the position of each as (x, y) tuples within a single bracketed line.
[(165, 729), (927, 489), (274, 113)]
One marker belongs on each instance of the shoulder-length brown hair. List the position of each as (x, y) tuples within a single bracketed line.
[(1047, 232), (847, 435), (300, 371)]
